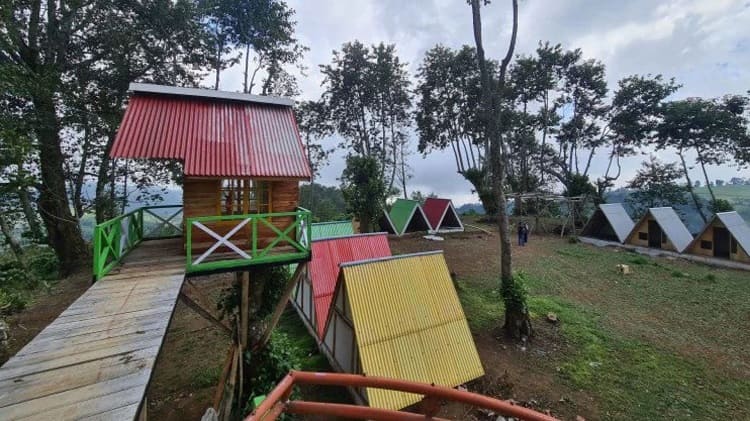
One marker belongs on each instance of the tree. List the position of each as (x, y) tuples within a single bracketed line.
[(656, 185), (714, 129), (736, 181), (71, 64), (313, 125), (265, 28), (364, 190), (367, 102), (447, 114), (517, 321)]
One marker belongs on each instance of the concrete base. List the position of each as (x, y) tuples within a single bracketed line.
[(711, 261)]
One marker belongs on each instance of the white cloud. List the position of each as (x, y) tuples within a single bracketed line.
[(704, 44)]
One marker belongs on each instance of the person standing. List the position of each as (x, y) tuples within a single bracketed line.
[(526, 230), (522, 234)]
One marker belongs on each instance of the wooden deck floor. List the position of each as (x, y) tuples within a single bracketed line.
[(95, 360)]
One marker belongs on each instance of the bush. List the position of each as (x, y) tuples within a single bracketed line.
[(514, 295), (573, 239), (270, 365), (721, 205), (12, 301), (43, 263)]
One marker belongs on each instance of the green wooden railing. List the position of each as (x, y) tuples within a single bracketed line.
[(296, 235), (113, 239)]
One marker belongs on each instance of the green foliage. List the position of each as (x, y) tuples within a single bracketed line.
[(206, 377), (326, 203), (363, 189), (515, 293), (43, 263), (720, 205), (271, 364), (655, 185)]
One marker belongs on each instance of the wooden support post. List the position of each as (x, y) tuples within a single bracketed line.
[(280, 305), (244, 279)]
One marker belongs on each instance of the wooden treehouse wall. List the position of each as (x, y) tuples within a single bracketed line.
[(201, 197)]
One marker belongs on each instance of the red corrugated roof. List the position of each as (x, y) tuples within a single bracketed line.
[(434, 209), (327, 254), (213, 137)]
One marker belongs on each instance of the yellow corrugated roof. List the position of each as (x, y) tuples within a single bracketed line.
[(409, 325)]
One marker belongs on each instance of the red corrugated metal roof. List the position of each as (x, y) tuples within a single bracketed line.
[(327, 254), (434, 209), (213, 137)]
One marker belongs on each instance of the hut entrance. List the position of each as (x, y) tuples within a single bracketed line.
[(654, 234), (721, 242)]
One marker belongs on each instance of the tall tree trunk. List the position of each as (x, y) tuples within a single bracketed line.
[(30, 214), (693, 196), (517, 322), (247, 65), (63, 231), (10, 240), (708, 182)]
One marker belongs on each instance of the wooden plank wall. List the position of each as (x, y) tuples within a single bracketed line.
[(200, 198)]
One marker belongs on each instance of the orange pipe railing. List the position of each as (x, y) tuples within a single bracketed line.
[(276, 402)]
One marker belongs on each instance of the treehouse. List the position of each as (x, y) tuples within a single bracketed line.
[(242, 161)]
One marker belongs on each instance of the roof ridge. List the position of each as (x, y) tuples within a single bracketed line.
[(152, 88), (382, 259), (413, 331), (339, 237)]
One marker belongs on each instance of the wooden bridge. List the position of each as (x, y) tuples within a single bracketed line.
[(96, 359)]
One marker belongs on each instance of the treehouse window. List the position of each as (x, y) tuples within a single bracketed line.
[(240, 197), (707, 245), (733, 246)]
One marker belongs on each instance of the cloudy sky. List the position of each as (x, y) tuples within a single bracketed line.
[(703, 44)]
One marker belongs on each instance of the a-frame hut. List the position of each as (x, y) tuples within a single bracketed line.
[(660, 228), (609, 222), (400, 317), (313, 294), (726, 236), (442, 215), (405, 216)]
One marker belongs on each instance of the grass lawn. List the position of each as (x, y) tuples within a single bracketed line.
[(668, 341)]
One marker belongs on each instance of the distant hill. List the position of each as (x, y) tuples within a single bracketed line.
[(475, 208), (738, 196)]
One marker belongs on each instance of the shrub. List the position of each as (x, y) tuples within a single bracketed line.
[(271, 364), (638, 260), (43, 263), (514, 295), (573, 239)]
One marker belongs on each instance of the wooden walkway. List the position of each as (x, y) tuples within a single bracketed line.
[(95, 360)]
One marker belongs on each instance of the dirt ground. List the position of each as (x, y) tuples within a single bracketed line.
[(521, 372), (44, 308)]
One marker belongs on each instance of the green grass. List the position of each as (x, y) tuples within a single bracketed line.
[(205, 377), (668, 341)]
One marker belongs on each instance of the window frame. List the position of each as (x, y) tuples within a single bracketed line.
[(245, 186)]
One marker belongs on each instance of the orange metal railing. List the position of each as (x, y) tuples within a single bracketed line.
[(277, 401)]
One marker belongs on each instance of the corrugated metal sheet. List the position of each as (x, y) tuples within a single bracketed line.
[(409, 324), (618, 219), (434, 209), (401, 213), (438, 211), (213, 137), (673, 227), (327, 254), (331, 229), (737, 227)]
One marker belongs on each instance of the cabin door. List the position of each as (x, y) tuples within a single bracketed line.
[(654, 234), (721, 242)]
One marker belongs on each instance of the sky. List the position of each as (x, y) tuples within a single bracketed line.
[(703, 44)]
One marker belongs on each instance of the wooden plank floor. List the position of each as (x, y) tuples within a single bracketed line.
[(95, 360)]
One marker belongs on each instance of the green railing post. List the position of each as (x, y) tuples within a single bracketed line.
[(97, 247), (255, 238)]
